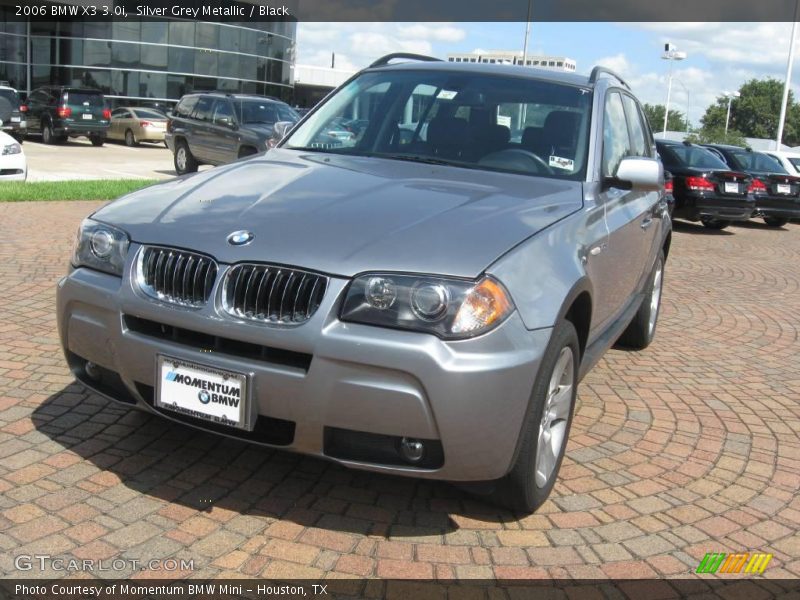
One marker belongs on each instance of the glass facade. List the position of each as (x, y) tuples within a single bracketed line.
[(148, 61)]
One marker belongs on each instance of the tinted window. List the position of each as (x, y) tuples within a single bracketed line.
[(616, 142), (756, 161), (690, 156), (142, 113), (84, 98), (223, 112), (202, 112), (9, 95), (186, 106), (795, 163), (640, 145)]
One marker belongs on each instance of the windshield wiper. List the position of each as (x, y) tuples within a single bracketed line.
[(429, 160)]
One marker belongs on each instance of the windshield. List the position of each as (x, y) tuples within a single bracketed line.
[(263, 111), (470, 120), (690, 156), (756, 161)]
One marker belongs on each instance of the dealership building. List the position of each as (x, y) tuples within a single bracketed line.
[(137, 61)]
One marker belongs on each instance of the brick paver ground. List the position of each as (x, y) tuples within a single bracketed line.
[(686, 448)]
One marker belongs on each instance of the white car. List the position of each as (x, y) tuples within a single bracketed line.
[(789, 160), (13, 164)]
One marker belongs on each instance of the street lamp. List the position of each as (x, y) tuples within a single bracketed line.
[(688, 102), (671, 54), (730, 96)]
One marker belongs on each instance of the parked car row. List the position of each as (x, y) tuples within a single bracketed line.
[(719, 184)]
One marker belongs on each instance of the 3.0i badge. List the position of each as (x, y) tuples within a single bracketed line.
[(240, 238)]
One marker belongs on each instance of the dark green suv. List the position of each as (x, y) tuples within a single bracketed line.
[(61, 112)]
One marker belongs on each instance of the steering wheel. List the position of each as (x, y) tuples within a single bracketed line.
[(516, 159)]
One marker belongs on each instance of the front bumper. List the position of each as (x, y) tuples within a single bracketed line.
[(784, 207), (468, 398), (13, 167)]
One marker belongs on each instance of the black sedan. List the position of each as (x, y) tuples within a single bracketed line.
[(777, 193), (704, 187)]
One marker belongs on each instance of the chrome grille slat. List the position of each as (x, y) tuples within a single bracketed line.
[(271, 294), (176, 276)]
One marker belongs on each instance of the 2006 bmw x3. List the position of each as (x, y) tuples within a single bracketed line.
[(419, 298)]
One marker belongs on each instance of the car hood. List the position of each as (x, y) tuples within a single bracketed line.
[(345, 215)]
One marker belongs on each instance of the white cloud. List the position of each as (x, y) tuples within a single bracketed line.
[(358, 44)]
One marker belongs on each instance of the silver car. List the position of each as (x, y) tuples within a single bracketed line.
[(419, 304)]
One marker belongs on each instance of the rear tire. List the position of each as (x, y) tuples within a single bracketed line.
[(130, 139), (712, 223), (97, 140), (775, 221), (48, 137), (642, 329), (544, 432), (183, 159)]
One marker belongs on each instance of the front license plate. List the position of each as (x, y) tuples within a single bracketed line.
[(87, 117), (731, 188), (784, 188), (203, 392)]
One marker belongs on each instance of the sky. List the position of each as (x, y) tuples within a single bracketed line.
[(720, 56)]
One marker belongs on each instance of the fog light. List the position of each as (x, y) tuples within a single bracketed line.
[(92, 370), (412, 450)]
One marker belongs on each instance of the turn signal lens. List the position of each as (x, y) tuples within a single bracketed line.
[(486, 304)]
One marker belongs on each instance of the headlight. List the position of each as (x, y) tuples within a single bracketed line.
[(448, 308), (100, 246), (14, 148)]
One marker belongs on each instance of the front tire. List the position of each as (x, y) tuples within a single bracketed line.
[(716, 224), (642, 329), (546, 428), (183, 159), (775, 221)]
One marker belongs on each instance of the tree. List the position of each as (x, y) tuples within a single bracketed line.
[(756, 111), (717, 135), (655, 116)]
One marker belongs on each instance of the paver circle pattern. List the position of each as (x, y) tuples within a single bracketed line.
[(688, 447)]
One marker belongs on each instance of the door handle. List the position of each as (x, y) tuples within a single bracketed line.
[(647, 222)]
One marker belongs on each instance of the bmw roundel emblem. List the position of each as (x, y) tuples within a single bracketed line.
[(240, 238), (204, 396)]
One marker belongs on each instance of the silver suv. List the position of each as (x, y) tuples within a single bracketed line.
[(420, 297)]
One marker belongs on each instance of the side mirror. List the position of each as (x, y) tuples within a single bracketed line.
[(280, 129), (227, 122), (640, 174)]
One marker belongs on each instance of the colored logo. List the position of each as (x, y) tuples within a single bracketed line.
[(743, 562), (204, 396), (171, 376), (240, 238)]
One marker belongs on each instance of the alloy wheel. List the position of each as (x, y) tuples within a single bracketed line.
[(655, 297), (555, 415)]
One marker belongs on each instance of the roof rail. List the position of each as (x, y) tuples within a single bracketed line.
[(598, 71), (384, 60)]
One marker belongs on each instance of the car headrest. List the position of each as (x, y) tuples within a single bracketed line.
[(444, 132)]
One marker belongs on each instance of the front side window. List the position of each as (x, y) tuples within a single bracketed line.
[(616, 141), (470, 120), (640, 144)]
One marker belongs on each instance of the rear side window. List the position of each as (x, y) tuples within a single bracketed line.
[(756, 161), (616, 141), (186, 106), (10, 95)]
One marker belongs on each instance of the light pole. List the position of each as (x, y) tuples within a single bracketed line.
[(784, 101), (671, 54), (688, 102), (730, 96)]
